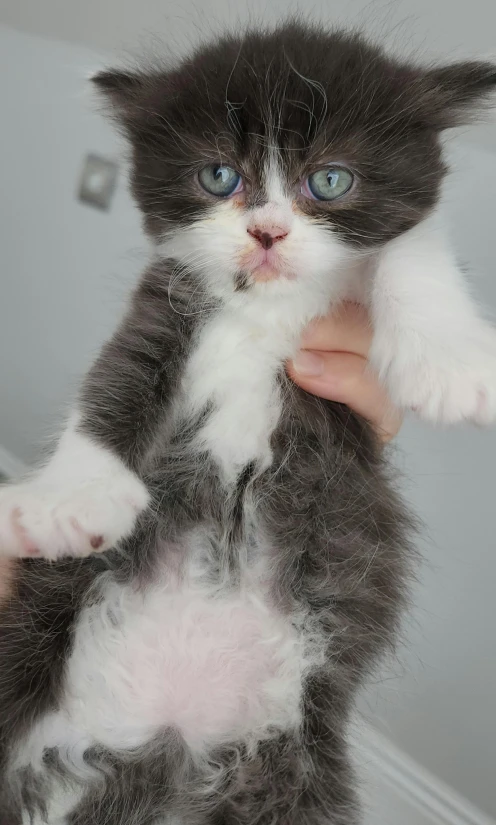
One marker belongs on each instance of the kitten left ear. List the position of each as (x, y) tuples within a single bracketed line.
[(456, 94)]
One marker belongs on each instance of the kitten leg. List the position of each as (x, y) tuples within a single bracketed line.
[(83, 500), (88, 495), (431, 347), (293, 782)]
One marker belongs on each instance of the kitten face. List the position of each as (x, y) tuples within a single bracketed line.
[(236, 151), (260, 238)]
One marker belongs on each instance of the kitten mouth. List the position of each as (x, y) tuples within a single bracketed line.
[(263, 265)]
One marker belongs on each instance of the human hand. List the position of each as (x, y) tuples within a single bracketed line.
[(332, 363)]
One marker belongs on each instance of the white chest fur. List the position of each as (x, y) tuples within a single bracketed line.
[(233, 369)]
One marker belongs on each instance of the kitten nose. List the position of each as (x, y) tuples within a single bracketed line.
[(267, 235)]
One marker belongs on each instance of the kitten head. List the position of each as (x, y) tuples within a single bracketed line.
[(264, 161)]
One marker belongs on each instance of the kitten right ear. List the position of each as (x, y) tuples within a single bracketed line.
[(135, 100), (120, 88)]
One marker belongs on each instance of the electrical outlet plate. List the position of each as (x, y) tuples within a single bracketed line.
[(98, 181)]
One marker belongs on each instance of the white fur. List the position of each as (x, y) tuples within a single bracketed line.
[(240, 350), (431, 347), (234, 366), (217, 664), (64, 798), (312, 257), (275, 188), (62, 794), (218, 667), (84, 494)]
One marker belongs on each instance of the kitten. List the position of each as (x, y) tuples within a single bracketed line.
[(204, 669)]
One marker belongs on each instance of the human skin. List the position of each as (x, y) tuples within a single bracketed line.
[(332, 363)]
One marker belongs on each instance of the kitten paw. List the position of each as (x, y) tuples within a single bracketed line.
[(446, 387), (40, 518)]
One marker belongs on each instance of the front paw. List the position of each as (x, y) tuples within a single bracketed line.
[(443, 385), (43, 517)]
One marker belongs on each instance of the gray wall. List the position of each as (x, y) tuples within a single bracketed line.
[(64, 270)]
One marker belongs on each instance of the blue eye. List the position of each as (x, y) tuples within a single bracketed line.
[(221, 181), (328, 184)]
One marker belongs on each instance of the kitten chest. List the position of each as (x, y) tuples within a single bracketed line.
[(232, 372)]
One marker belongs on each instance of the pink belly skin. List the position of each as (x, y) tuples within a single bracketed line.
[(207, 669), (215, 667)]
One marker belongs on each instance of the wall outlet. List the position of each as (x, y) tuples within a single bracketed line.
[(98, 181)]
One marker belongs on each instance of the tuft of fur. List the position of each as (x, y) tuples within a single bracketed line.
[(204, 669)]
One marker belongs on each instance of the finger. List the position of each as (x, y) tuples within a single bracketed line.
[(348, 329), (347, 378)]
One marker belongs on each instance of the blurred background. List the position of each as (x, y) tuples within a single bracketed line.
[(428, 748)]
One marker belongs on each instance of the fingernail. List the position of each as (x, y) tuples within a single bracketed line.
[(308, 363)]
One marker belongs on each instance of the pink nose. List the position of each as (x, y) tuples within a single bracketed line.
[(267, 235)]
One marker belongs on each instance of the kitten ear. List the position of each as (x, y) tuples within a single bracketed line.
[(456, 94), (123, 92), (119, 88)]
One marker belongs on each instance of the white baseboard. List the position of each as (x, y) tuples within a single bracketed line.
[(399, 791), (10, 466)]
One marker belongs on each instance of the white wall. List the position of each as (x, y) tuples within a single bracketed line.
[(64, 268), (63, 264)]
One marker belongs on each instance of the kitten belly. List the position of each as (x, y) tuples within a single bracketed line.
[(215, 664)]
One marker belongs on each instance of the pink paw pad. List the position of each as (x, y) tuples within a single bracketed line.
[(29, 548)]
